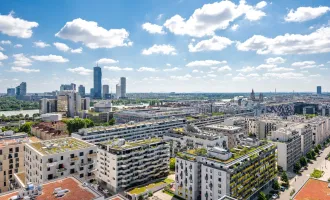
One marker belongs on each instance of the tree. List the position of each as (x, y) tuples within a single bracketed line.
[(296, 167), (112, 121), (316, 150), (313, 154), (303, 161), (26, 128), (89, 123), (172, 164), (262, 196), (309, 155), (276, 185), (75, 124), (140, 197), (319, 146), (284, 178)]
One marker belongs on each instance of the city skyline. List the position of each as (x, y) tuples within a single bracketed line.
[(163, 48)]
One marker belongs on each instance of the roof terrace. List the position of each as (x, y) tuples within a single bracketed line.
[(61, 145), (115, 144)]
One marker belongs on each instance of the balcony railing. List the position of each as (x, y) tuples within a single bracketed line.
[(91, 155), (61, 170)]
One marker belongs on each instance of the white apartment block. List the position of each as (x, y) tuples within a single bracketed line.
[(213, 173), (185, 138), (122, 164), (207, 121), (11, 159), (129, 131), (289, 145), (47, 160), (320, 127), (234, 133)]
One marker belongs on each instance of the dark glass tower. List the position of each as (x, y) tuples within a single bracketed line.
[(97, 82)]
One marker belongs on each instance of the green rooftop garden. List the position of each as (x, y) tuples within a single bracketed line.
[(317, 173), (139, 190), (128, 145), (59, 145)]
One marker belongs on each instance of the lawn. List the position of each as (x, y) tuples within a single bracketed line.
[(317, 173), (139, 190), (168, 181)]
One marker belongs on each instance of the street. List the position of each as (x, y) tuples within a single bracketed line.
[(298, 181)]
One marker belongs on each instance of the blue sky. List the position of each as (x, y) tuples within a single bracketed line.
[(167, 46)]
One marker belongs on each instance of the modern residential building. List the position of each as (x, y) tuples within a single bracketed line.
[(11, 157), (123, 87), (49, 130), (139, 115), (118, 91), (318, 90), (191, 137), (103, 106), (106, 92), (81, 90), (215, 172), (51, 117), (11, 92), (234, 133), (47, 106), (71, 86), (204, 121), (289, 144), (18, 91), (130, 131), (122, 164), (97, 82), (91, 95), (57, 158)]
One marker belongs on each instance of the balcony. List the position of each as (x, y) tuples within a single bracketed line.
[(91, 155), (74, 158), (51, 164), (87, 163), (61, 170)]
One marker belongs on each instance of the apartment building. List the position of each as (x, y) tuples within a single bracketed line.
[(57, 158), (204, 121), (129, 131), (122, 164), (234, 133), (11, 158), (49, 130), (139, 115), (216, 172), (289, 144), (191, 137)]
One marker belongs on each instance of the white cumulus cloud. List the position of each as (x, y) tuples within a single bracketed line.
[(224, 68), (18, 46), (21, 60), (106, 61), (63, 47), (247, 69), (50, 58), (17, 27), (305, 13), (160, 49), (234, 27), (316, 42), (153, 28), (205, 63), (277, 60), (182, 78), (92, 35), (3, 56), (216, 43), (303, 63), (23, 69), (116, 68), (211, 17), (146, 69), (41, 44), (80, 70), (280, 69), (6, 42), (171, 69)]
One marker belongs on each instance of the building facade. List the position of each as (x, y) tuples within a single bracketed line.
[(106, 92), (11, 92), (97, 82), (125, 164), (81, 90), (123, 87), (57, 158)]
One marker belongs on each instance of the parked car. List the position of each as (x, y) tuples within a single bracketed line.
[(275, 196), (282, 188)]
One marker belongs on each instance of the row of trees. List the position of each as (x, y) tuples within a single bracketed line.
[(311, 155), (18, 117), (73, 125), (11, 103)]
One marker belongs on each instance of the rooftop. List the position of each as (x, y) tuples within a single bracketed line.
[(115, 144), (237, 153), (128, 125), (76, 191), (313, 190), (61, 145), (223, 127)]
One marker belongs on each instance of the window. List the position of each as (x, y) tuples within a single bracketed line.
[(81, 176), (17, 149), (61, 157), (81, 154)]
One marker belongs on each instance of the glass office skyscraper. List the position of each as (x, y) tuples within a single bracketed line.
[(97, 82)]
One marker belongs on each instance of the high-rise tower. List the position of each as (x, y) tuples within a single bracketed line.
[(97, 82), (123, 87)]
